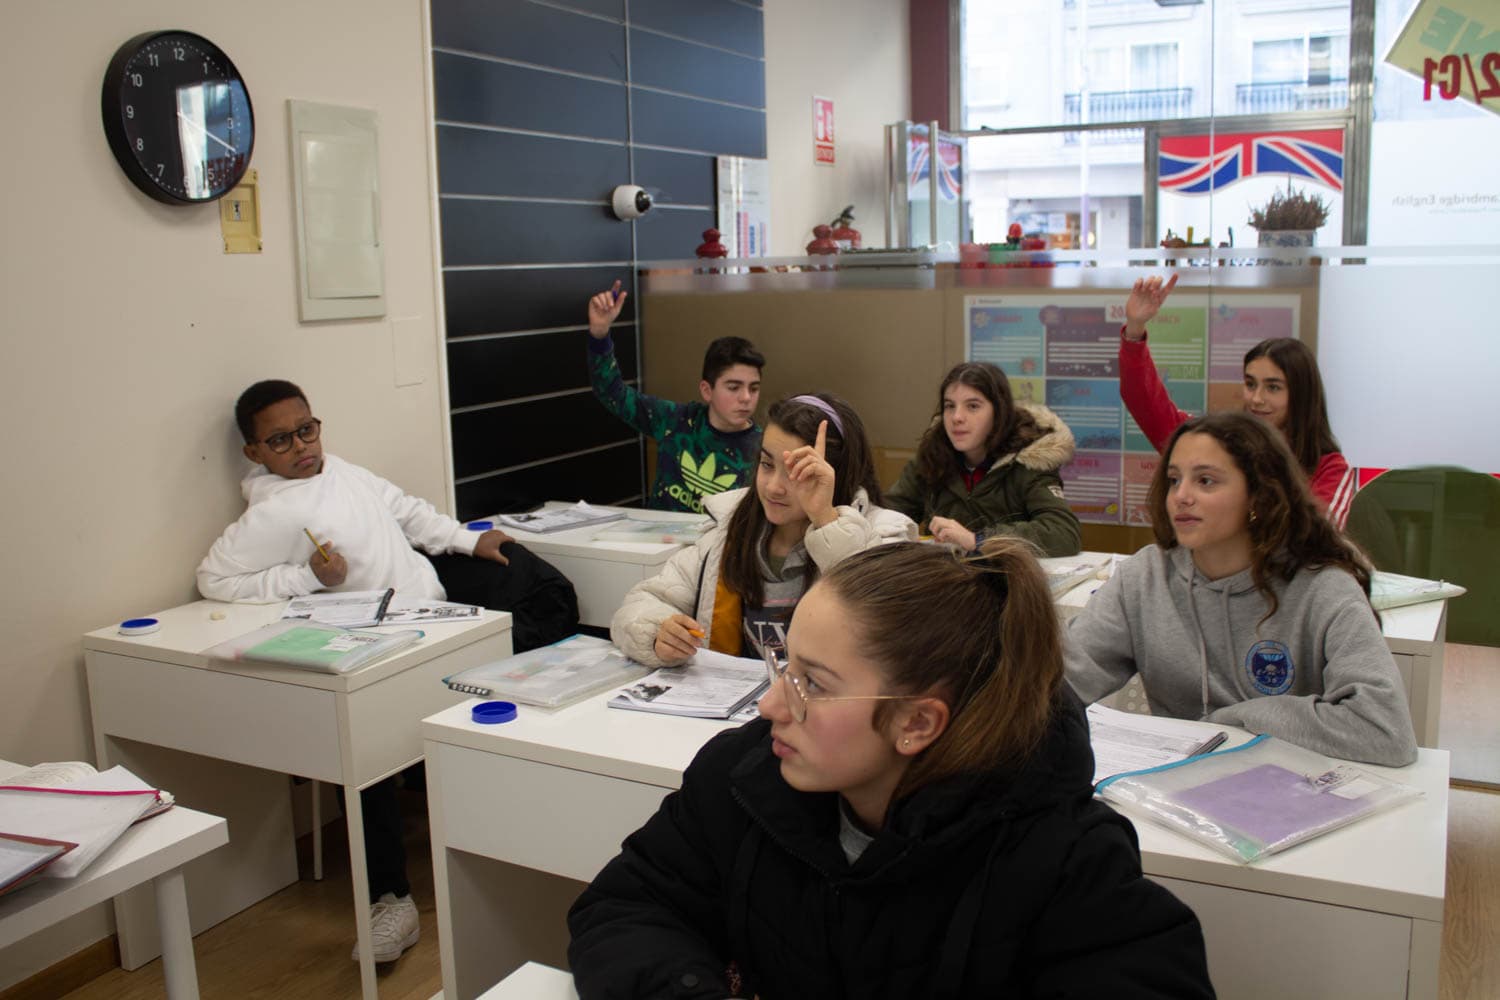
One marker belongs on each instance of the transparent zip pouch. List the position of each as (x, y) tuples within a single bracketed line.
[(1257, 799)]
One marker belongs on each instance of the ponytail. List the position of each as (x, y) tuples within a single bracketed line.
[(980, 632)]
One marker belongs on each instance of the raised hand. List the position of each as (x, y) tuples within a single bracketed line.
[(812, 478), (678, 638), (1144, 303), (604, 309)]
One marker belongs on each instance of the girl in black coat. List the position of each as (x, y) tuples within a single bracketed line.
[(912, 817)]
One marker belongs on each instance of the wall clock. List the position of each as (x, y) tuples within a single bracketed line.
[(177, 117)]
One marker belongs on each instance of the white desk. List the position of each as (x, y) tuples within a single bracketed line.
[(222, 736), (523, 813), (155, 851), (601, 572), (533, 982), (1415, 635)]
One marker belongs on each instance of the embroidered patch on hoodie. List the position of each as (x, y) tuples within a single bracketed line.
[(1269, 664)]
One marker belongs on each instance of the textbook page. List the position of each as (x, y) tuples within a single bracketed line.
[(1127, 741), (711, 686), (346, 609), (92, 813)]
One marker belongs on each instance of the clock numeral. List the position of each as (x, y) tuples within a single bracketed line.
[(152, 59), (130, 111), (140, 144), (159, 168), (205, 69), (180, 53), (135, 80)]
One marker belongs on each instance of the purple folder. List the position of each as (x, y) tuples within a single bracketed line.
[(1270, 804)]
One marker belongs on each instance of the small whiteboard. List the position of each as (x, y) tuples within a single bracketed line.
[(336, 192)]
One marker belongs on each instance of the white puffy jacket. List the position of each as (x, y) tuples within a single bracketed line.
[(688, 582)]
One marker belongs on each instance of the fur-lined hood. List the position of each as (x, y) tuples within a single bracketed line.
[(1049, 452)]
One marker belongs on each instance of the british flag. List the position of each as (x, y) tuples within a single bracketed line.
[(950, 170), (1199, 164)]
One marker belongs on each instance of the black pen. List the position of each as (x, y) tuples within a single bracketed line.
[(1212, 743)]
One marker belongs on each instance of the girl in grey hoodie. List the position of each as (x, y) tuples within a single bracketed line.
[(1250, 610)]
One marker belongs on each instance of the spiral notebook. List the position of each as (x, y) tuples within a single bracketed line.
[(552, 676)]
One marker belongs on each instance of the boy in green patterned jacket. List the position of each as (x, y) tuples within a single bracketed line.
[(702, 448)]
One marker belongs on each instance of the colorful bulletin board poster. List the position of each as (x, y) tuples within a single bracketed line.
[(1062, 350)]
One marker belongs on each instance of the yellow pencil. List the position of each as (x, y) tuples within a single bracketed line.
[(310, 538)]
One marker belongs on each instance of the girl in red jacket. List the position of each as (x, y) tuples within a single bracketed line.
[(1282, 387)]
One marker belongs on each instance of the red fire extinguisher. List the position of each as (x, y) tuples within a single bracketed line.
[(844, 233)]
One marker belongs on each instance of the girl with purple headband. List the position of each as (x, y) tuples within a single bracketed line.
[(814, 503)]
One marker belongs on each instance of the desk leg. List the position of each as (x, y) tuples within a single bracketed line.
[(354, 815), (1426, 955), (179, 971), (317, 822), (260, 858)]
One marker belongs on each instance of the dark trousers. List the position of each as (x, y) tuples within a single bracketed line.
[(541, 600), (385, 853)]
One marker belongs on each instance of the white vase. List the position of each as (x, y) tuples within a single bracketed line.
[(1287, 237)]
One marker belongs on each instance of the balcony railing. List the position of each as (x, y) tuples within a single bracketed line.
[(1296, 95), (1125, 106)]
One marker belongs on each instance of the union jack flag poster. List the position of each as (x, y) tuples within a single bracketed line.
[(919, 163), (1199, 164)]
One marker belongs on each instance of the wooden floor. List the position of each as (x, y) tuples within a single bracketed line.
[(296, 944)]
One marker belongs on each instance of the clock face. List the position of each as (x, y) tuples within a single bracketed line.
[(178, 117)]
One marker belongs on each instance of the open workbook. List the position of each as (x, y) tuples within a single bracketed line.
[(709, 686), (56, 818)]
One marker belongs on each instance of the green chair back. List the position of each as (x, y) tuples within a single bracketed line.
[(1443, 523)]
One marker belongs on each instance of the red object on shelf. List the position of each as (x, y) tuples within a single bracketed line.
[(822, 242), (1013, 234), (844, 233), (711, 247)]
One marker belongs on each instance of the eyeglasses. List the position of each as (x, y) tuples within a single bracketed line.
[(797, 697), (307, 434)]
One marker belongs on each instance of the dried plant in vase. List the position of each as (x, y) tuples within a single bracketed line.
[(1289, 212)]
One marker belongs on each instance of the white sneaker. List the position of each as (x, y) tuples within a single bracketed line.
[(393, 927)]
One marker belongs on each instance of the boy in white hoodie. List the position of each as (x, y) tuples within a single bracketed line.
[(368, 528)]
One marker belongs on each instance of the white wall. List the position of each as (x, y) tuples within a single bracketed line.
[(128, 333), (856, 52)]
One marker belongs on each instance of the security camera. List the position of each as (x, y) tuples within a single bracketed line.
[(631, 202)]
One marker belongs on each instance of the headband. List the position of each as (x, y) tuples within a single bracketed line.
[(819, 404)]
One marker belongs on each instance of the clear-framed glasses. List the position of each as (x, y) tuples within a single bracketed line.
[(307, 433), (796, 694)]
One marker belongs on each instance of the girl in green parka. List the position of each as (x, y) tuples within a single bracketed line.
[(988, 467)]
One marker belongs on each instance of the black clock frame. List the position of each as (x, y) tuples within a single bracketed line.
[(112, 107)]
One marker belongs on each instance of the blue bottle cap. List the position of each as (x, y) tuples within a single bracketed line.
[(489, 713), (481, 525), (139, 626)]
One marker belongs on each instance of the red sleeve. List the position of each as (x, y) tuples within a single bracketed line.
[(1144, 395), (1332, 486)]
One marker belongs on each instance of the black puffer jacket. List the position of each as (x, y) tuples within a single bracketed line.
[(1009, 884)]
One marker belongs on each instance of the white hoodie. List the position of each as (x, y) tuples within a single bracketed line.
[(263, 557)]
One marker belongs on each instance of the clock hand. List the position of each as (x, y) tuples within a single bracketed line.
[(206, 132)]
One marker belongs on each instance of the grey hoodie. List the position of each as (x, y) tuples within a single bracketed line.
[(1316, 673)]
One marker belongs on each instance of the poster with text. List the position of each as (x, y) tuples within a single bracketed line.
[(1092, 485), (1007, 337), (1090, 407), (1061, 349), (1136, 475)]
